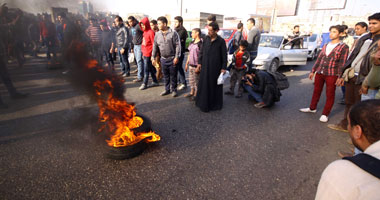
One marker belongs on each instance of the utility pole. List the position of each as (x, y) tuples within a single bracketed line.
[(181, 8)]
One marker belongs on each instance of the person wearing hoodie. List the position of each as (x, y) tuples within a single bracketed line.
[(147, 48)]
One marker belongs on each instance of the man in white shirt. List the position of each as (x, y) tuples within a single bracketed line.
[(344, 179)]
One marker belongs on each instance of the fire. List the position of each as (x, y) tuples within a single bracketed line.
[(116, 114)]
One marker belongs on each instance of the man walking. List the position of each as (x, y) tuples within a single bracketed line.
[(253, 39), (122, 45), (137, 37), (182, 32), (168, 43)]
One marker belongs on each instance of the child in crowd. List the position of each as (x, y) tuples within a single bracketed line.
[(240, 61), (192, 61)]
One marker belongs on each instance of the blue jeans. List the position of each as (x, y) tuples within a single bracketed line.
[(149, 69), (370, 95), (253, 55), (252, 94), (139, 61), (124, 64), (181, 72)]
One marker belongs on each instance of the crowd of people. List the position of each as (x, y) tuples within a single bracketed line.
[(159, 53)]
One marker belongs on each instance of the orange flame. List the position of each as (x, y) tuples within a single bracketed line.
[(117, 115)]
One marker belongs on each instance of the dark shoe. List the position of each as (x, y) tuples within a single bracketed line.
[(18, 95), (174, 94), (337, 127), (164, 93), (260, 105), (238, 96), (229, 93), (3, 106), (137, 80), (342, 102)]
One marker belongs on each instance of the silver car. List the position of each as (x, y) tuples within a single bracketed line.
[(275, 50), (312, 43)]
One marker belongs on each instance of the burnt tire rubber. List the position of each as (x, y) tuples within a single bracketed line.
[(121, 153), (274, 65)]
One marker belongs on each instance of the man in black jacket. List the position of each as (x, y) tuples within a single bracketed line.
[(122, 43), (182, 32), (261, 87)]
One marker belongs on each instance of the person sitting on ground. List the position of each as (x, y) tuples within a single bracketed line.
[(261, 87), (240, 61), (356, 177)]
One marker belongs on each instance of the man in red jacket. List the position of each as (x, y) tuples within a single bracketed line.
[(147, 48)]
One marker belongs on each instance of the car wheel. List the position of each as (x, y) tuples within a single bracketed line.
[(314, 55), (274, 65)]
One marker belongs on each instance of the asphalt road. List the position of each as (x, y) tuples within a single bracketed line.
[(50, 149)]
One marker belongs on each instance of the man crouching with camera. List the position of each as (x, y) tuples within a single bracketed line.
[(261, 87)]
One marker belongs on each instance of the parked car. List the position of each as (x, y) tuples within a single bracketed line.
[(227, 34), (275, 51), (312, 43)]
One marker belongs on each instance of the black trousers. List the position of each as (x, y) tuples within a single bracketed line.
[(170, 72), (5, 78)]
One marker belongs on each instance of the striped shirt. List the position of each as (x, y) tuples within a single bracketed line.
[(95, 34), (333, 63)]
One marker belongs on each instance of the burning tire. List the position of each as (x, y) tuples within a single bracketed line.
[(121, 153)]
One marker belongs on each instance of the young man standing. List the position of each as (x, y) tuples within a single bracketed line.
[(137, 36), (182, 32), (146, 48), (253, 39), (326, 69), (168, 43), (122, 37)]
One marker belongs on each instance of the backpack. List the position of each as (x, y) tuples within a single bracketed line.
[(281, 80), (366, 162)]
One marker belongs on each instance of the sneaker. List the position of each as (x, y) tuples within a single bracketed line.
[(324, 119), (127, 75), (174, 94), (337, 127), (134, 71), (182, 87), (164, 93), (229, 93), (154, 84), (260, 105), (137, 80), (143, 87), (307, 110)]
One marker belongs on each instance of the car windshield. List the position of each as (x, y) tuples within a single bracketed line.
[(225, 34), (272, 41)]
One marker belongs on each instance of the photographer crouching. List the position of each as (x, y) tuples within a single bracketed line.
[(262, 88)]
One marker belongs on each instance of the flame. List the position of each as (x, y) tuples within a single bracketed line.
[(117, 115)]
